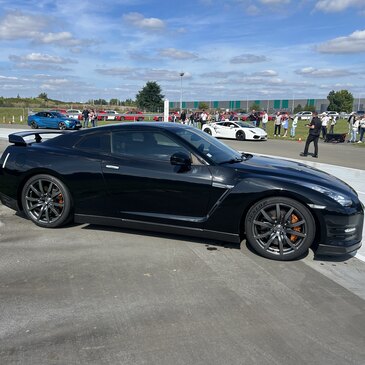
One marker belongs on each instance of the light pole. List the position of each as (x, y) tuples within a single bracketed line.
[(181, 91)]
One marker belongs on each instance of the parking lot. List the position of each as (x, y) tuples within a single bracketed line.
[(87, 294)]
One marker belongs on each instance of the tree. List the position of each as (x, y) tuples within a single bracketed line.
[(114, 102), (297, 109), (150, 97), (203, 106), (255, 106), (310, 108), (340, 101), (43, 96)]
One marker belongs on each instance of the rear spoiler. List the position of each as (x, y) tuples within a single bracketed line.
[(19, 138)]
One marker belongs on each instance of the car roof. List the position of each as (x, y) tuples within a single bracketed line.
[(70, 139)]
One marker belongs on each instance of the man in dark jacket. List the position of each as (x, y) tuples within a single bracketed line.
[(313, 136)]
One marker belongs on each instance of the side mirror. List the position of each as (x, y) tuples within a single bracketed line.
[(180, 159)]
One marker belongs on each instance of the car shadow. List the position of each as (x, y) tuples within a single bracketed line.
[(212, 245)]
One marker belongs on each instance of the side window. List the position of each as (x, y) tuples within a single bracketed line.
[(99, 143), (145, 145)]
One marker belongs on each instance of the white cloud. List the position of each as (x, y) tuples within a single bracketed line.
[(248, 58), (266, 73), (16, 25), (323, 73), (354, 43), (177, 54), (41, 58), (337, 5), (274, 2), (139, 21)]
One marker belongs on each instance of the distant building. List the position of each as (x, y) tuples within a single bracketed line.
[(271, 106)]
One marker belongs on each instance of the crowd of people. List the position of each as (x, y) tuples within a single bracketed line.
[(89, 116), (284, 123)]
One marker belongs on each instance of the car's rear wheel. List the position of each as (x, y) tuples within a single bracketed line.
[(33, 124), (122, 118), (140, 119), (240, 135), (62, 125), (46, 201), (207, 130), (280, 228)]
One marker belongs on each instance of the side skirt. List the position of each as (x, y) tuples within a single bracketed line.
[(156, 227)]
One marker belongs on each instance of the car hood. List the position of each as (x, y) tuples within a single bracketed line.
[(290, 170), (255, 130)]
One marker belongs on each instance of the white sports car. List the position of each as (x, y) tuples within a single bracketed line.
[(236, 130)]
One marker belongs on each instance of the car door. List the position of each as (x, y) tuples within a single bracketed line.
[(144, 185), (219, 129)]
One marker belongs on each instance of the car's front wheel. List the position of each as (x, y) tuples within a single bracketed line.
[(46, 201), (280, 228), (62, 125), (33, 124), (240, 135)]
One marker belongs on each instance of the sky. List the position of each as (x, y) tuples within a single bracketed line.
[(78, 50)]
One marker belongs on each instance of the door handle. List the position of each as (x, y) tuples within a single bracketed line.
[(113, 167)]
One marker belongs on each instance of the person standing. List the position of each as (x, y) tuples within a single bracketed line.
[(277, 125), (313, 135), (324, 120), (253, 118), (362, 129), (354, 130), (85, 117), (293, 126), (332, 124), (285, 124), (265, 119), (183, 117)]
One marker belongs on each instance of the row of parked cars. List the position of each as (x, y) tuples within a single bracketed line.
[(71, 118)]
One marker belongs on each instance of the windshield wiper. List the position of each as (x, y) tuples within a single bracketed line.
[(232, 160)]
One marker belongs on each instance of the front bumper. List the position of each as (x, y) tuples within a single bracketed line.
[(341, 234), (336, 250)]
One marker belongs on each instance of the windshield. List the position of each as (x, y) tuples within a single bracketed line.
[(215, 150), (245, 124), (58, 115)]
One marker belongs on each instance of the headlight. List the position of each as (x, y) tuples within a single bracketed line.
[(344, 201)]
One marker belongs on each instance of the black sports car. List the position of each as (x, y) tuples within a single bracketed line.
[(173, 178)]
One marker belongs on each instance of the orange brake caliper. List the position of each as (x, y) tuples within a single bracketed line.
[(294, 219)]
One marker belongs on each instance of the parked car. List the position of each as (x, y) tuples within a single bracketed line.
[(332, 114), (235, 130), (168, 177), (304, 115), (107, 115), (55, 120), (131, 115), (159, 118), (74, 113), (61, 111)]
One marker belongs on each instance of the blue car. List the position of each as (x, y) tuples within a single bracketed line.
[(52, 120)]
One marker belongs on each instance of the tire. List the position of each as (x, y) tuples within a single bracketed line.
[(46, 201), (280, 228), (62, 125), (33, 124), (122, 118), (240, 135), (207, 130), (140, 119)]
